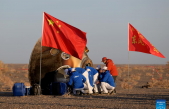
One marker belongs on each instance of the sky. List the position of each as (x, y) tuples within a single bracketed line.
[(105, 21)]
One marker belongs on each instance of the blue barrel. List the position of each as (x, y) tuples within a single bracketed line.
[(19, 89)]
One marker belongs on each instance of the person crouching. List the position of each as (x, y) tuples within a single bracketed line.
[(93, 77), (107, 81), (99, 69), (78, 81)]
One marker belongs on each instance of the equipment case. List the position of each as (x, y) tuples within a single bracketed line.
[(19, 89)]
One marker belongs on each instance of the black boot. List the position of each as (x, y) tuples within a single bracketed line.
[(78, 92), (114, 91)]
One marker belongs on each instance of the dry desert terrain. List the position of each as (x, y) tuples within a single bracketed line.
[(136, 97)]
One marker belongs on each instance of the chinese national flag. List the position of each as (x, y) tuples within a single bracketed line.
[(60, 35), (137, 42)]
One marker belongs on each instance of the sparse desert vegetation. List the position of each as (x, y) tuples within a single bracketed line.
[(148, 74), (5, 82), (139, 75), (119, 72), (9, 74), (168, 65), (125, 85), (162, 84)]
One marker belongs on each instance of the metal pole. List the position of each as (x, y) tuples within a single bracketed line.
[(128, 57), (40, 70), (128, 70), (41, 57)]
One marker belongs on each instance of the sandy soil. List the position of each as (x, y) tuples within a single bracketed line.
[(134, 98)]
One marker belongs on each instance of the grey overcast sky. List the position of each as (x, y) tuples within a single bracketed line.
[(105, 21)]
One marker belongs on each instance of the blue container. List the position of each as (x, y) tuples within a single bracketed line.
[(19, 89), (27, 90)]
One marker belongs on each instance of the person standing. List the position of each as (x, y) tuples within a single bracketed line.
[(111, 67)]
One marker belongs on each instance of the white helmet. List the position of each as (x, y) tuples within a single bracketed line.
[(73, 70), (97, 68), (104, 68)]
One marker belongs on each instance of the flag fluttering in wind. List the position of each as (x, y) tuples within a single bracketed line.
[(60, 35), (137, 42)]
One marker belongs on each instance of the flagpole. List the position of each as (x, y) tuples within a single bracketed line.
[(128, 70), (40, 68), (41, 57), (128, 57)]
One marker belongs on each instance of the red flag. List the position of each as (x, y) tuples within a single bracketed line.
[(60, 35), (137, 42)]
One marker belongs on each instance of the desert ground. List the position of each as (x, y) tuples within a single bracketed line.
[(133, 96)]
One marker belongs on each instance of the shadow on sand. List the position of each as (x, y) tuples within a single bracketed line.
[(6, 94), (135, 98)]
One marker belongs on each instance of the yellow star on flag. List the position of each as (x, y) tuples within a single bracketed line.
[(138, 32), (141, 36), (156, 50), (57, 21), (50, 22), (57, 31), (134, 40), (59, 26)]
